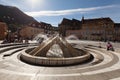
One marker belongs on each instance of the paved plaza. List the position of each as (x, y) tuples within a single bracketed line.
[(105, 65)]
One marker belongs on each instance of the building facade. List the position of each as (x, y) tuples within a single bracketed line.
[(29, 32), (98, 29), (117, 31), (67, 24), (77, 33), (91, 29), (35, 28), (48, 28), (3, 30)]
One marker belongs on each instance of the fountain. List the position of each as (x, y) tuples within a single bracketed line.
[(56, 51), (40, 37), (72, 37)]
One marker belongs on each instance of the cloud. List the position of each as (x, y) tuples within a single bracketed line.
[(68, 12), (8, 2)]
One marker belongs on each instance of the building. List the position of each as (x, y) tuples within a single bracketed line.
[(3, 30), (117, 31), (29, 32), (35, 28), (48, 28), (77, 33), (90, 29), (67, 24), (55, 30), (98, 29)]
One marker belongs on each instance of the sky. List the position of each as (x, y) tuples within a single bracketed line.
[(53, 11)]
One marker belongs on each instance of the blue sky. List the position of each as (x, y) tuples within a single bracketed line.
[(53, 11)]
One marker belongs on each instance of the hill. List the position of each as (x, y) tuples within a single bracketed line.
[(12, 15)]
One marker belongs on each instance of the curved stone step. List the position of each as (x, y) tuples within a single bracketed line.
[(10, 44), (11, 47), (106, 63), (11, 52), (97, 57)]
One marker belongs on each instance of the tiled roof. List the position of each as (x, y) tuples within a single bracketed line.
[(117, 25), (97, 20)]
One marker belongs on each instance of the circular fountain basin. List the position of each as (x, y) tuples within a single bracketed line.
[(37, 60), (71, 55)]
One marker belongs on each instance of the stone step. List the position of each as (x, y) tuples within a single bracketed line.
[(11, 47)]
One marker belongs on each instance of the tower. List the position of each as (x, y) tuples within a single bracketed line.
[(82, 19)]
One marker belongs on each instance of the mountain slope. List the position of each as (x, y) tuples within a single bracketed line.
[(11, 14)]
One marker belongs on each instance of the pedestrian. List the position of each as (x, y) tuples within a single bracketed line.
[(109, 46)]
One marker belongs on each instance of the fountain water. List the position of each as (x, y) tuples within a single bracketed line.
[(40, 37), (56, 51), (72, 37)]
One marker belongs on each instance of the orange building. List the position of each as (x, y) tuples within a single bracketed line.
[(3, 30)]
